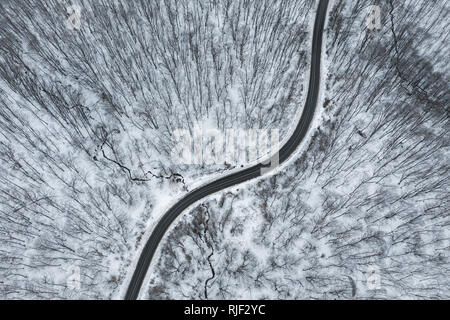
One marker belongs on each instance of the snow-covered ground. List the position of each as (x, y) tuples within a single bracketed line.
[(363, 211), (87, 117)]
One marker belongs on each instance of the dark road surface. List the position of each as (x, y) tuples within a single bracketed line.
[(243, 175)]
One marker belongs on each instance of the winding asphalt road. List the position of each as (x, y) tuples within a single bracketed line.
[(244, 175)]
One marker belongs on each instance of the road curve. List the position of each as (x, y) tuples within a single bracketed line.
[(244, 175)]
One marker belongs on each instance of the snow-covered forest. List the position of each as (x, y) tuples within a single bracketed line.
[(87, 113), (364, 211)]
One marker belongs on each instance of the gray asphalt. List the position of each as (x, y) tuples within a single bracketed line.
[(246, 174)]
